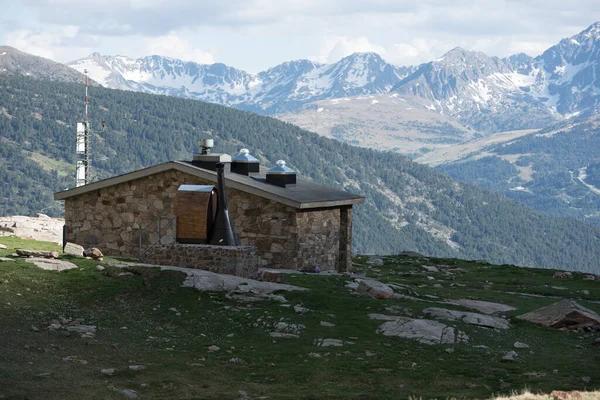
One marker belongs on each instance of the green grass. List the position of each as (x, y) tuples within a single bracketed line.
[(174, 349)]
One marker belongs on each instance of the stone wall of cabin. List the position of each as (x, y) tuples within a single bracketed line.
[(111, 218), (318, 239), (233, 260)]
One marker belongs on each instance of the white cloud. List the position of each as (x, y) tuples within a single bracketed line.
[(175, 46), (45, 43), (335, 48)]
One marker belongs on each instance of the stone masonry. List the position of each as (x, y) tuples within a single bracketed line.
[(232, 260), (112, 218)]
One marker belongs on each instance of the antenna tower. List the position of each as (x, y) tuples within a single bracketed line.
[(83, 143)]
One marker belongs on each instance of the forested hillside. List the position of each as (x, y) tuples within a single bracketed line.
[(555, 170), (408, 206)]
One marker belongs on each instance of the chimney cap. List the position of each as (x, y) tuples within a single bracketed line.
[(281, 169), (244, 157)]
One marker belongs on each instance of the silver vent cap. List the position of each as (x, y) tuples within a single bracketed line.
[(244, 157), (281, 169)]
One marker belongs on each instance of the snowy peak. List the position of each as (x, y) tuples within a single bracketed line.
[(282, 88)]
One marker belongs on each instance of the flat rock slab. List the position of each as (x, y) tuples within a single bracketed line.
[(51, 264), (561, 314), (486, 321), (210, 281), (484, 307), (5, 259), (423, 330), (374, 289), (36, 253)]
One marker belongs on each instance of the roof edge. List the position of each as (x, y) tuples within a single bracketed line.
[(201, 173)]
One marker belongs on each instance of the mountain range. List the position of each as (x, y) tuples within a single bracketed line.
[(485, 93), (281, 88)]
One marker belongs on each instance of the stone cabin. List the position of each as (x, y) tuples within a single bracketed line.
[(298, 225)]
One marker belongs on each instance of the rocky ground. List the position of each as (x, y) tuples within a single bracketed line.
[(395, 327), (42, 228)]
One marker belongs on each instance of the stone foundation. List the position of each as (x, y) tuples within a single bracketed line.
[(232, 260)]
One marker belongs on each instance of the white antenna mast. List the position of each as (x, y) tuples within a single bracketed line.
[(83, 143)]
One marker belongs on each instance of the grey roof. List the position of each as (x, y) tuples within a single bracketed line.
[(304, 195)]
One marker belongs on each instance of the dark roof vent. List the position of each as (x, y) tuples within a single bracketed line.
[(208, 160), (244, 163), (281, 175)]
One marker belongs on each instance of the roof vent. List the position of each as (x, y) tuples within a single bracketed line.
[(244, 163), (208, 160), (281, 175)]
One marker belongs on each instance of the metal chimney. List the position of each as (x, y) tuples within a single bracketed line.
[(222, 233)]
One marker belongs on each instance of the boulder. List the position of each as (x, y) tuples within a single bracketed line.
[(563, 314), (374, 289), (73, 249), (37, 253), (269, 276), (423, 330), (486, 321), (93, 252), (2, 246), (484, 307), (510, 356)]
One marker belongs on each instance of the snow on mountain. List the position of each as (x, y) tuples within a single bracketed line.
[(516, 92), (485, 93), (281, 88)]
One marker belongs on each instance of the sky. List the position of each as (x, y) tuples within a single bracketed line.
[(255, 35)]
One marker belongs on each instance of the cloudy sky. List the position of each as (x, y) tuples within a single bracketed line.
[(257, 34)]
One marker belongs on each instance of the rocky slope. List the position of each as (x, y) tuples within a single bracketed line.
[(15, 61)]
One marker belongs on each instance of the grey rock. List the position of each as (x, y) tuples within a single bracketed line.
[(136, 368), (330, 342), (108, 371), (519, 345), (374, 289), (283, 335), (586, 379), (482, 320), (5, 259), (585, 292), (300, 310), (423, 330), (51, 264), (430, 268), (36, 253), (130, 394), (484, 307), (2, 246), (210, 281), (73, 249), (325, 323), (509, 356), (99, 268), (85, 329)]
